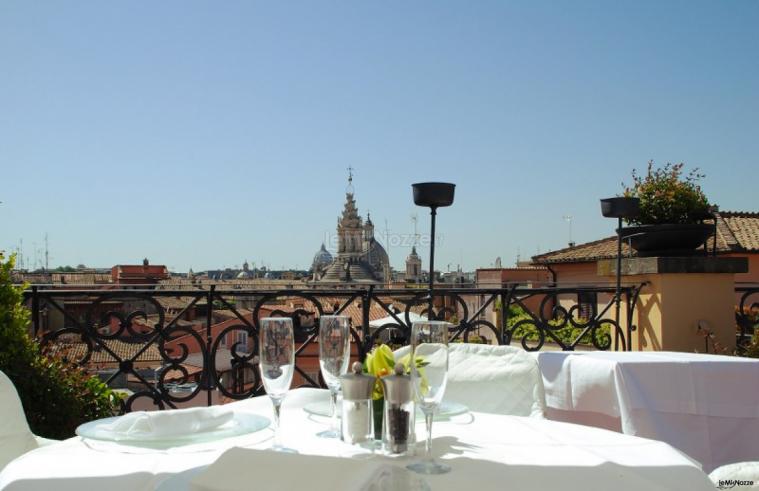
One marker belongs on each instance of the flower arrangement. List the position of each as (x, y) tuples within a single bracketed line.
[(380, 363), (667, 195)]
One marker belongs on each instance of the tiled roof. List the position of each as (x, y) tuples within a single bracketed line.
[(736, 232), (51, 278), (744, 227), (175, 283), (352, 310), (153, 319), (222, 315), (128, 270), (174, 303), (589, 251), (124, 351)]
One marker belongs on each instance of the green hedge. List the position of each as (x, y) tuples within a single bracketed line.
[(567, 335), (57, 396)]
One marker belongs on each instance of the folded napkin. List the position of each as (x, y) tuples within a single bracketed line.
[(166, 424), (237, 468)]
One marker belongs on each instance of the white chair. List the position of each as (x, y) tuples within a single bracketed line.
[(15, 436), (745, 473), (493, 379)]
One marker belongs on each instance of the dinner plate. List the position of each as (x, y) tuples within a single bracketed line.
[(240, 424), (322, 408)]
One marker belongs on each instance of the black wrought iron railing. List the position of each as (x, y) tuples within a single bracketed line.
[(178, 347)]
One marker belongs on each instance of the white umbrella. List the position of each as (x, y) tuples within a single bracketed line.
[(413, 317)]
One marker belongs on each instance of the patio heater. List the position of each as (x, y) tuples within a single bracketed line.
[(619, 208), (433, 195)]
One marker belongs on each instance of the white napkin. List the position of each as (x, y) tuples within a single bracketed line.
[(237, 468), (171, 423)]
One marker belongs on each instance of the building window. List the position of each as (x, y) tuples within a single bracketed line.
[(587, 302), (241, 337)]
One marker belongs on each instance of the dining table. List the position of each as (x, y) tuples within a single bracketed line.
[(705, 405), (485, 451)]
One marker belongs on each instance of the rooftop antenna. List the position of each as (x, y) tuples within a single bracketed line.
[(386, 238), (519, 256), (415, 219), (568, 218), (47, 255), (20, 253)]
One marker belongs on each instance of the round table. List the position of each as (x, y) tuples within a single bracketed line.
[(486, 452)]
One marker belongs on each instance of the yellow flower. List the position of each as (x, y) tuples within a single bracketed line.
[(380, 362), (380, 358)]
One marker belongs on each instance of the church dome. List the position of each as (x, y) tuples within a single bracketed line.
[(377, 256), (245, 273), (322, 259)]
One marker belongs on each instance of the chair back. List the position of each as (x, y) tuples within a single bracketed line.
[(15, 436), (493, 379)]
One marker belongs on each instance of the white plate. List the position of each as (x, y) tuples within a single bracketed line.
[(241, 424), (447, 408)]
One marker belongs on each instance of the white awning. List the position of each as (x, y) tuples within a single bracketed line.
[(413, 317)]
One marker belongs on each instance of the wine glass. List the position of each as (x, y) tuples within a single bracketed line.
[(334, 356), (429, 348), (277, 363)]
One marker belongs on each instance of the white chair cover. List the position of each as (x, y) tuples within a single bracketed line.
[(745, 473), (493, 379), (15, 436)]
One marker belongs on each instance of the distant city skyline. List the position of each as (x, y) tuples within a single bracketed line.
[(201, 135)]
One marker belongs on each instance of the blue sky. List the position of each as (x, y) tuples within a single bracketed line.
[(201, 134)]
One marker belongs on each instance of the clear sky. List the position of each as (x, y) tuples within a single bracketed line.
[(201, 134)]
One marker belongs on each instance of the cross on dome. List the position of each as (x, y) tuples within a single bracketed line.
[(349, 188)]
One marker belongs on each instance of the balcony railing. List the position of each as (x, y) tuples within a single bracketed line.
[(172, 348)]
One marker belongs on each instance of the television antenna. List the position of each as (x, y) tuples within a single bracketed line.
[(47, 254), (568, 219), (415, 220), (386, 238)]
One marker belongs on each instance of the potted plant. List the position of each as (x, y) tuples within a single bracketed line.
[(672, 208)]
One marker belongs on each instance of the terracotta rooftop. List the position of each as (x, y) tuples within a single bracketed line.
[(737, 231), (125, 351), (173, 303), (744, 227), (48, 278)]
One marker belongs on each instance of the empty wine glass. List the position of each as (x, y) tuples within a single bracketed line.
[(277, 363), (334, 356), (429, 349)]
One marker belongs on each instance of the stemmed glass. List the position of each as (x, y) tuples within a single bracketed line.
[(277, 363), (429, 342), (334, 356)]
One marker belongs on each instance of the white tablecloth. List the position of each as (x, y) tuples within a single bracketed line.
[(486, 451), (705, 405)]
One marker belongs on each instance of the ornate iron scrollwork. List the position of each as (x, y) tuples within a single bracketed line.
[(121, 334)]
